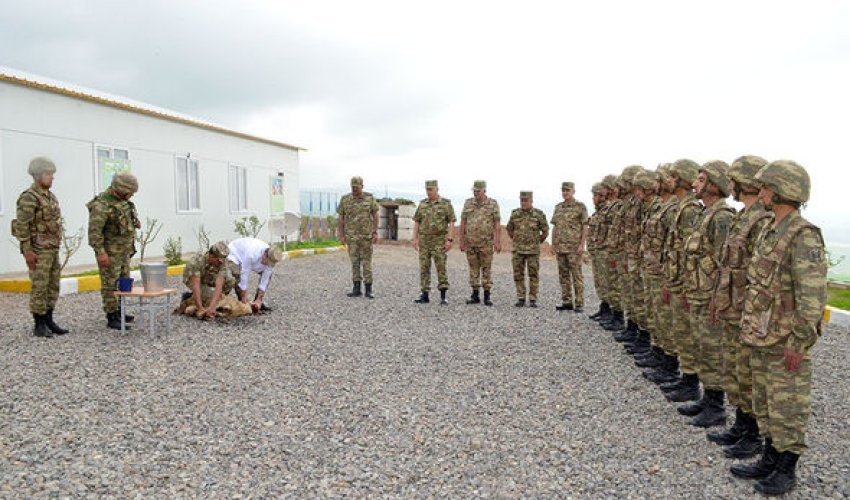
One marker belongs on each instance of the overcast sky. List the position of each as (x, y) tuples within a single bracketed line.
[(522, 94)]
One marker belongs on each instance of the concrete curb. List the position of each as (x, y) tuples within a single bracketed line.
[(68, 286), (836, 316)]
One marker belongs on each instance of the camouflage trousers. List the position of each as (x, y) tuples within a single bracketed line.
[(782, 400), (45, 282), (119, 267), (360, 253), (480, 261), (521, 262), (634, 294), (571, 278), (431, 248), (680, 333), (615, 281), (652, 300), (737, 374), (708, 340), (599, 268)]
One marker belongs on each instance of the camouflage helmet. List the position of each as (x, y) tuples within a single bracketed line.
[(686, 170), (787, 179), (745, 168), (41, 166), (125, 183), (644, 179), (629, 173), (609, 181), (597, 188), (663, 171), (621, 182), (716, 170)]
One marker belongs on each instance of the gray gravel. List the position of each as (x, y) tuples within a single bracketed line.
[(329, 396)]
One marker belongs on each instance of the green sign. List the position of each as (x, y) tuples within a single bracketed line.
[(278, 207), (108, 169)]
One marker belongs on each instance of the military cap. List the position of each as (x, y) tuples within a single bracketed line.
[(597, 188), (41, 166), (479, 186), (526, 195), (125, 183), (715, 170), (275, 254), (686, 170), (609, 181), (430, 184), (357, 181), (745, 168), (787, 179), (220, 250), (568, 185)]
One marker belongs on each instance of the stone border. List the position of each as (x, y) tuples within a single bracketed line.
[(79, 284), (836, 316)]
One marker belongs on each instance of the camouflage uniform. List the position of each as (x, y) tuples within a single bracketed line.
[(434, 218), (569, 221), (655, 235), (200, 267), (480, 221), (38, 228), (357, 213), (632, 227), (526, 227), (650, 277), (595, 246), (112, 231), (614, 245)]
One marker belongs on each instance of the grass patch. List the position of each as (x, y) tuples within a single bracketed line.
[(320, 243), (838, 298)]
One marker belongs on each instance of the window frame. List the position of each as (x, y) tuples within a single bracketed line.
[(111, 148), (241, 173), (177, 188)]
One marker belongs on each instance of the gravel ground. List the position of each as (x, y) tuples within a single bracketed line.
[(330, 396)]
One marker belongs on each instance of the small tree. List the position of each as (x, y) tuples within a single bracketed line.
[(147, 235), (173, 251), (248, 227), (203, 236), (830, 262), (70, 244)]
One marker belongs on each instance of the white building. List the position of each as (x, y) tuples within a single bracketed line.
[(190, 172)]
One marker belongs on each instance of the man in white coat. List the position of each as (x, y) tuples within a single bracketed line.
[(250, 255)]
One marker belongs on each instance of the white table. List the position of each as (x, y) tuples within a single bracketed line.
[(150, 302)]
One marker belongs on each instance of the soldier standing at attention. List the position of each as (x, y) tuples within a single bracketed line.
[(208, 279), (480, 234), (358, 229), (433, 224), (783, 309), (594, 246), (528, 228), (112, 235), (569, 233), (38, 229)]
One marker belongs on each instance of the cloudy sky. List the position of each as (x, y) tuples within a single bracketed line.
[(522, 94)]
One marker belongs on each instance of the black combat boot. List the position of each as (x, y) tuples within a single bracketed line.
[(564, 307), (423, 298), (606, 313), (760, 469), (695, 408), (487, 301), (113, 320), (640, 345), (52, 326), (40, 329), (443, 300), (666, 373), (520, 303), (616, 323), (532, 302), (750, 443), (783, 478), (714, 413), (368, 293), (689, 391), (732, 434), (604, 308), (627, 334), (475, 298), (578, 309), (355, 291), (654, 358)]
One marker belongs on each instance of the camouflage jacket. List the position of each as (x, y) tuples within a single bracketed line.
[(112, 225), (356, 213), (651, 207), (480, 221), (199, 266), (681, 226), (594, 226), (569, 221), (786, 293), (434, 217), (38, 223), (526, 229), (633, 228), (612, 228), (702, 251), (655, 230)]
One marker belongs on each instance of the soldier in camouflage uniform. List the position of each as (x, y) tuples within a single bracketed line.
[(742, 440), (606, 312), (38, 229), (480, 234), (208, 279), (702, 270), (645, 348), (635, 334), (433, 225), (595, 248), (569, 233), (614, 251), (358, 228), (783, 310), (683, 220), (113, 222), (528, 228)]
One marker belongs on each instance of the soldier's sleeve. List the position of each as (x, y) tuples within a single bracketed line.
[(541, 218), (689, 216), (417, 215), (190, 270), (451, 212), (97, 220), (511, 224), (463, 215), (722, 223), (340, 208), (555, 214), (585, 219), (25, 213), (808, 270), (374, 206), (497, 215)]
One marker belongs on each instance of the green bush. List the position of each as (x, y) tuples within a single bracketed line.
[(173, 251), (838, 298), (248, 227)]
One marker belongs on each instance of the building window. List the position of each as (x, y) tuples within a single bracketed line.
[(187, 185), (109, 161), (238, 182)]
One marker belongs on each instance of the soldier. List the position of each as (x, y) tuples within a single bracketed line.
[(595, 247), (645, 187), (630, 274), (613, 247), (251, 255), (433, 225), (528, 228), (38, 229), (783, 309), (742, 440), (480, 234), (208, 279), (683, 219), (358, 228), (702, 267), (569, 233), (112, 235), (605, 314)]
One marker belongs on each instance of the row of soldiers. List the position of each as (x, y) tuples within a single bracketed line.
[(702, 294)]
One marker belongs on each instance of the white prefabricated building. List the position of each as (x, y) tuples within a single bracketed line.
[(191, 173)]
